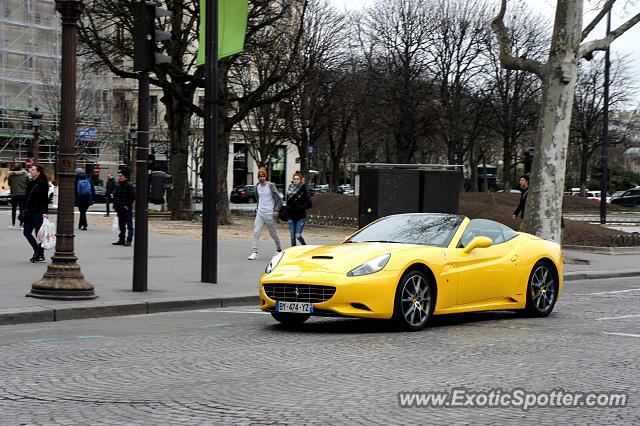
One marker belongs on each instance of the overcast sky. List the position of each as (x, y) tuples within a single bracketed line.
[(627, 44)]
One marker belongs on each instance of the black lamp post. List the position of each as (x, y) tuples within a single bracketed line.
[(35, 125), (63, 279)]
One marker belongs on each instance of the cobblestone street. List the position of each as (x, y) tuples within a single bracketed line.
[(236, 366)]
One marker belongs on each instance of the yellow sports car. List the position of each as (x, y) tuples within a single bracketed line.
[(408, 267)]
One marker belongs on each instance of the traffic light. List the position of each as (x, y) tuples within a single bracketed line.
[(146, 36)]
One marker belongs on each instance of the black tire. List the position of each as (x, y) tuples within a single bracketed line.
[(542, 289), (251, 200), (414, 301), (289, 319)]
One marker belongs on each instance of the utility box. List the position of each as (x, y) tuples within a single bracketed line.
[(440, 190), (387, 191)]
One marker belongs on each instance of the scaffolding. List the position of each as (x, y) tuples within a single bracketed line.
[(30, 59)]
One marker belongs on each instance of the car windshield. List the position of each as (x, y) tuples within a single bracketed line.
[(421, 228)]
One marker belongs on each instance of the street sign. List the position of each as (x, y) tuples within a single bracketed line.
[(87, 134), (28, 163), (96, 170)]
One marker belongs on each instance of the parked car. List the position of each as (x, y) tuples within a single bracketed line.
[(615, 195), (243, 194), (595, 195), (320, 189), (345, 189), (101, 194), (514, 191), (630, 198)]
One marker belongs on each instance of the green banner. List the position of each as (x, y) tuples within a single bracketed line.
[(232, 25)]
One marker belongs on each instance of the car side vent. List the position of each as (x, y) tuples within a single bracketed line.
[(322, 257)]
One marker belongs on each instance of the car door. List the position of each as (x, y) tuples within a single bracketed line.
[(485, 273)]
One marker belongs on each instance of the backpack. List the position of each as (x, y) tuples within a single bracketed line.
[(83, 187)]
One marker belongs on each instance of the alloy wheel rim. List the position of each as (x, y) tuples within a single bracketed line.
[(416, 300), (543, 288)]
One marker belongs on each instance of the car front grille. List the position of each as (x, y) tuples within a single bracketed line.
[(299, 292)]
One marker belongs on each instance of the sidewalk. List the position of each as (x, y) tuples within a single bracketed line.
[(174, 271)]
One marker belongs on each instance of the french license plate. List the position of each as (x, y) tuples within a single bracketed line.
[(296, 307)]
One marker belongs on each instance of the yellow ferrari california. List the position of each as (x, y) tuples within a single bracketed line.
[(408, 267)]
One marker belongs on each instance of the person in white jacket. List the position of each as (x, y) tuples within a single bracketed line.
[(269, 202)]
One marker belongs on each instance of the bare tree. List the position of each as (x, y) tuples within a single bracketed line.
[(459, 40), (559, 77), (106, 31), (320, 55), (395, 38), (515, 94), (588, 110)]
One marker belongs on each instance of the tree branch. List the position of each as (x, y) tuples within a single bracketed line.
[(586, 49), (606, 8), (507, 60)]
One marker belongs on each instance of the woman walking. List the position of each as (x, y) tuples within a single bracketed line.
[(36, 209), (298, 201)]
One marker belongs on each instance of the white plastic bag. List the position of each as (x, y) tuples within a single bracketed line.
[(47, 235), (115, 226)]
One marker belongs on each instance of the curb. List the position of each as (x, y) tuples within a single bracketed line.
[(598, 275), (604, 250), (36, 314), (12, 316)]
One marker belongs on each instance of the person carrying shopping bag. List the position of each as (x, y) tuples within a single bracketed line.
[(36, 209)]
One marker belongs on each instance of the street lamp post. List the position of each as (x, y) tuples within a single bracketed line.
[(63, 279), (35, 125)]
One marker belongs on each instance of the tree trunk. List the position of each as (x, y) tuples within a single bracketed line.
[(224, 213), (543, 212), (584, 164), (507, 155), (178, 124)]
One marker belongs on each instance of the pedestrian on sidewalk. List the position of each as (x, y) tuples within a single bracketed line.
[(18, 180), (269, 201), (524, 189), (298, 201), (110, 186), (84, 195), (36, 208), (123, 197)]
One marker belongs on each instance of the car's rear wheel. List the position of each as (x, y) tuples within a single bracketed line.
[(542, 289), (287, 318), (415, 300)]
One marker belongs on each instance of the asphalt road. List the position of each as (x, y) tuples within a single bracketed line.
[(237, 366)]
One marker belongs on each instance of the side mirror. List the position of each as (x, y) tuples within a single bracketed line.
[(478, 242)]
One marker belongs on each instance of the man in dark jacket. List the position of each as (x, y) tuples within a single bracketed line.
[(123, 198), (84, 195), (18, 181), (108, 194), (36, 209)]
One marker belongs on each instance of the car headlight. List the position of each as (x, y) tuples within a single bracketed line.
[(274, 262), (371, 267)]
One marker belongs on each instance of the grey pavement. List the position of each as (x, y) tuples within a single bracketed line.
[(174, 275), (237, 366)]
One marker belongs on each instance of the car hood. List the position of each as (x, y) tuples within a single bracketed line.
[(337, 258)]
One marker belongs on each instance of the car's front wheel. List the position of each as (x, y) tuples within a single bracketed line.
[(542, 290), (289, 318), (415, 300)]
